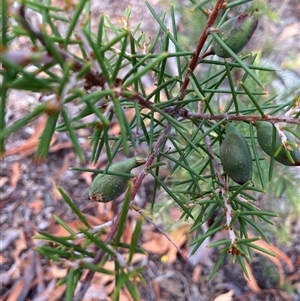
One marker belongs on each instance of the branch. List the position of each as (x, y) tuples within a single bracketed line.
[(115, 223), (273, 119), (193, 63), (138, 210), (187, 114)]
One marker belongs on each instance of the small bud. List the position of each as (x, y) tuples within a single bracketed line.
[(107, 187), (235, 33), (235, 156), (280, 152)]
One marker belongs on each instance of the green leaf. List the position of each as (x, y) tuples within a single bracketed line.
[(98, 242), (236, 57), (70, 285), (162, 25), (42, 151), (65, 241), (64, 225), (261, 249), (242, 264), (144, 70), (134, 239), (124, 213), (73, 207), (73, 137), (173, 196), (218, 264)]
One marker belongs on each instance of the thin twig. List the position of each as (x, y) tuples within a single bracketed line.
[(160, 230), (250, 118), (187, 114)]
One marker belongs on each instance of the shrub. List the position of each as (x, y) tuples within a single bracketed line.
[(180, 122)]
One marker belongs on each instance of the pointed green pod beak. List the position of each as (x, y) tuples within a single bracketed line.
[(107, 187), (235, 156)]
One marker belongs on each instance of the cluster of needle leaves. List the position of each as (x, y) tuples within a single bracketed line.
[(180, 121)]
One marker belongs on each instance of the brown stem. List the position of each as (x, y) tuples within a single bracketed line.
[(248, 118), (187, 114), (150, 159), (112, 233), (200, 44)]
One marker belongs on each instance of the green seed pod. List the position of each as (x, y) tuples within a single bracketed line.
[(236, 33), (281, 154), (235, 156), (108, 187)]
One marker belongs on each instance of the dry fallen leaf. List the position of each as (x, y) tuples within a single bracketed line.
[(276, 260), (20, 244), (37, 205), (75, 225), (53, 272), (288, 32), (15, 174), (57, 293), (16, 290), (22, 287), (179, 237), (157, 244), (3, 259), (251, 282), (46, 292), (225, 297), (105, 211), (55, 192), (197, 271), (59, 146), (29, 146), (3, 180), (87, 176)]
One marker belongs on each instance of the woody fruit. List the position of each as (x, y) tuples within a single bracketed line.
[(107, 187), (235, 156), (287, 153), (235, 33)]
